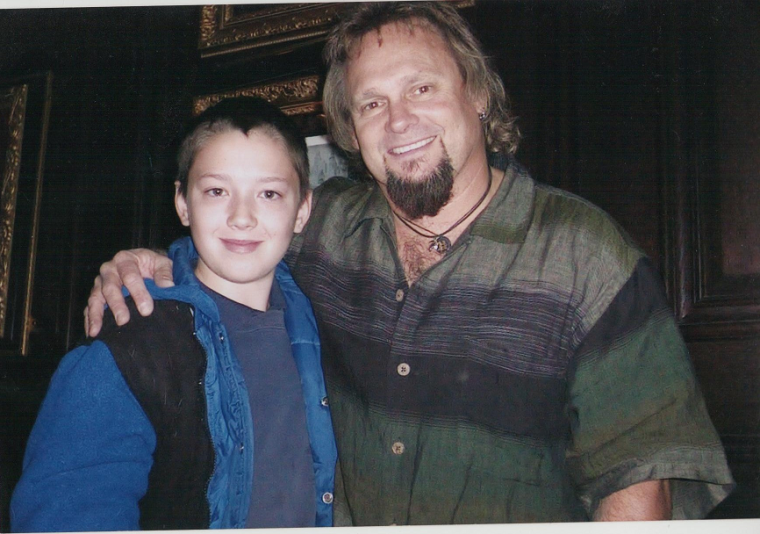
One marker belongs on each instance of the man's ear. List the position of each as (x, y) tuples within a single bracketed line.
[(180, 203), (481, 104), (304, 211)]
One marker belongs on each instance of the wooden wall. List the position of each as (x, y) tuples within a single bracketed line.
[(648, 108), (121, 85)]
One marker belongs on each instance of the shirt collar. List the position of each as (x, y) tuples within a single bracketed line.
[(507, 217), (369, 204), (505, 220), (276, 299)]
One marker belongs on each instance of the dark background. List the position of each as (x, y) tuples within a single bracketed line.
[(648, 108)]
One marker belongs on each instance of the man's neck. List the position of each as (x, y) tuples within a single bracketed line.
[(415, 241), (467, 190)]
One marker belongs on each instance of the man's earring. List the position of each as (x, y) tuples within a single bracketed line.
[(482, 116)]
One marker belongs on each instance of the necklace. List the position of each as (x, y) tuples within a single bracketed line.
[(439, 242)]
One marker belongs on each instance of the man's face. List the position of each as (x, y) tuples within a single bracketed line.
[(410, 109), (242, 205)]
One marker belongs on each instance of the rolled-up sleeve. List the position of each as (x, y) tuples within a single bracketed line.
[(636, 409)]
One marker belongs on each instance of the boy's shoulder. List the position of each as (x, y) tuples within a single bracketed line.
[(158, 355), (149, 342), (166, 313), (164, 365)]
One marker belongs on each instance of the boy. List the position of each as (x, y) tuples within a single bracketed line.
[(211, 413)]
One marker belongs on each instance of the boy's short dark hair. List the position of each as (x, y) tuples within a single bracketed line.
[(242, 114)]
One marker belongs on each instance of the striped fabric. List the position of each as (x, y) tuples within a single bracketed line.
[(531, 372)]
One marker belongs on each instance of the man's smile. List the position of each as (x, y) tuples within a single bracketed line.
[(408, 148)]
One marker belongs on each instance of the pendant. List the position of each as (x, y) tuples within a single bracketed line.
[(440, 244)]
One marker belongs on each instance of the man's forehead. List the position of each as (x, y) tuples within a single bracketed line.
[(414, 28)]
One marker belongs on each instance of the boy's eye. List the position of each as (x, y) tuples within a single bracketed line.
[(270, 195), (215, 191)]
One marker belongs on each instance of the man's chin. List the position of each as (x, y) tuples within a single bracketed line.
[(416, 176), (415, 171), (421, 192)]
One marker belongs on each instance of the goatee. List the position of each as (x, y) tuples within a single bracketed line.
[(425, 196)]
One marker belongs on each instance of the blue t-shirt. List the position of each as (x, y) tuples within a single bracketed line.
[(283, 473)]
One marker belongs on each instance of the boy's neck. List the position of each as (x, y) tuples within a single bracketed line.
[(255, 295)]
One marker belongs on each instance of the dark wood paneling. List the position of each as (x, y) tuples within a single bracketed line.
[(729, 374), (121, 87), (714, 252)]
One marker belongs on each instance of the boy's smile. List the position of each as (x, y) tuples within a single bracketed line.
[(242, 205), (240, 246)]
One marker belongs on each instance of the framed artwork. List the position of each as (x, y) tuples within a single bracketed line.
[(24, 115), (298, 97), (235, 27), (232, 28)]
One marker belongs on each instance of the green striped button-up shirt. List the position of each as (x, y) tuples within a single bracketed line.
[(531, 372)]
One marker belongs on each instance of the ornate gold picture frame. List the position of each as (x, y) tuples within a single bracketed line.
[(236, 27), (231, 28), (24, 114), (298, 97), (295, 97)]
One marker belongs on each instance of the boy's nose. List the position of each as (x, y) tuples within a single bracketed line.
[(242, 215)]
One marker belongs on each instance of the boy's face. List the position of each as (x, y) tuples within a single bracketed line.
[(242, 205)]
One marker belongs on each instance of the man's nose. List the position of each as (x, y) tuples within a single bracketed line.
[(401, 115)]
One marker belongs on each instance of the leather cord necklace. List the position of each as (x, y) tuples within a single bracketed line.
[(439, 242)]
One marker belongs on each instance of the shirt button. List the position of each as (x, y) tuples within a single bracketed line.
[(403, 369), (399, 295), (327, 498), (398, 448), (324, 402)]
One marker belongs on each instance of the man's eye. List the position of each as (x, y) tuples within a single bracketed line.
[(271, 195), (424, 89), (370, 106), (215, 192)]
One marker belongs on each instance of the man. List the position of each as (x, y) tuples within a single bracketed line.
[(495, 350)]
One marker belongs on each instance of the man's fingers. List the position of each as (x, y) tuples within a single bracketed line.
[(111, 292), (163, 273), (135, 284), (134, 265), (112, 273), (93, 320), (126, 270)]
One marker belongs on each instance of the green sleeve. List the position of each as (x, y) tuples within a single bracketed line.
[(636, 409)]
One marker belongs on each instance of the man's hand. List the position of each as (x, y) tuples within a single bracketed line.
[(127, 268), (645, 501)]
